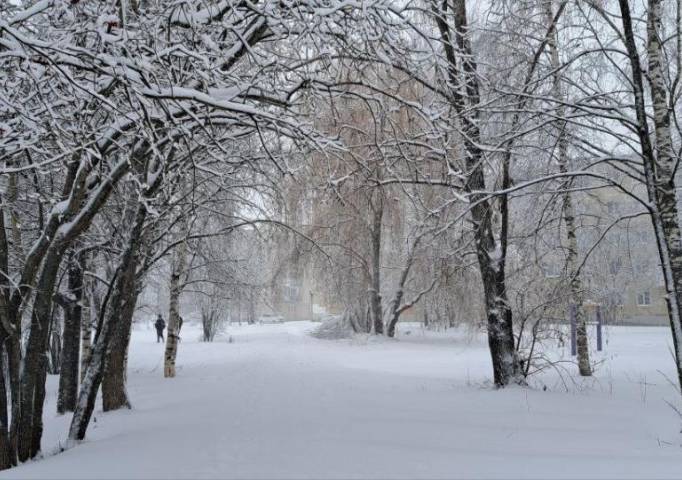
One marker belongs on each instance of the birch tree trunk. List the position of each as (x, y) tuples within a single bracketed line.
[(658, 161), (178, 267), (664, 170), (576, 288), (568, 210)]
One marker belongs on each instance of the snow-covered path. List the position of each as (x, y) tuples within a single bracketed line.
[(276, 403)]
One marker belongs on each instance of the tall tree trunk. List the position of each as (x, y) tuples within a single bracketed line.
[(659, 162), (665, 168), (489, 252), (178, 267), (13, 347), (114, 392), (12, 321), (375, 289), (61, 229), (576, 288), (5, 453), (68, 378), (120, 302), (34, 371), (572, 260), (123, 286)]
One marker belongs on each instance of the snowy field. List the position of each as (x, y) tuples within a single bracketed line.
[(276, 403)]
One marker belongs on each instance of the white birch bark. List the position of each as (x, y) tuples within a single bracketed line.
[(178, 267), (572, 262), (658, 160)]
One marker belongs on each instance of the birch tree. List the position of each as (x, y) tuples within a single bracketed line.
[(639, 118), (177, 282), (568, 209)]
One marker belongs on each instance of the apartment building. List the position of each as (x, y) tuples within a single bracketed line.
[(622, 270)]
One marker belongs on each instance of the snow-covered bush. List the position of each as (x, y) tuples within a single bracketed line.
[(335, 327), (211, 323)]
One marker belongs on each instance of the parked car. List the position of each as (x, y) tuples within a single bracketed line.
[(267, 318)]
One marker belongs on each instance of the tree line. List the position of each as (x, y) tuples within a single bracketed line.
[(413, 152)]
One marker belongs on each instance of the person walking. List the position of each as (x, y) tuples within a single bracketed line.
[(160, 325)]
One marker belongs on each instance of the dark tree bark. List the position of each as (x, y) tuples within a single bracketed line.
[(114, 393), (7, 456), (27, 424), (121, 297), (68, 378), (461, 71), (35, 360), (13, 347), (118, 306), (397, 306), (375, 290)]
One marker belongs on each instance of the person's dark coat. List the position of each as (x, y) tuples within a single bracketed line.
[(160, 324)]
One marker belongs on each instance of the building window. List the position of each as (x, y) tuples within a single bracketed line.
[(644, 298)]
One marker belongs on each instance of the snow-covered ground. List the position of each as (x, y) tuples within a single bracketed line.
[(277, 403)]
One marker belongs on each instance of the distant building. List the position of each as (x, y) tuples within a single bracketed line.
[(622, 273)]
